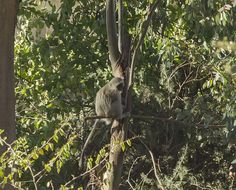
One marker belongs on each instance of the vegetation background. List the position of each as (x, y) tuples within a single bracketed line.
[(185, 80)]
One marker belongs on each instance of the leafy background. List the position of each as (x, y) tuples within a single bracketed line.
[(185, 78)]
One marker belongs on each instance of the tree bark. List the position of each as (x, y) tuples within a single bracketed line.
[(8, 12), (114, 53), (112, 31)]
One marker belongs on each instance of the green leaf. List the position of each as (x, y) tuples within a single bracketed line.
[(98, 159), (108, 165), (5, 179), (47, 147), (1, 131), (41, 152), (49, 105), (23, 91), (102, 152), (51, 146), (129, 142), (58, 166), (1, 173), (123, 146), (63, 187), (47, 167), (55, 138), (35, 156), (90, 163), (37, 124)]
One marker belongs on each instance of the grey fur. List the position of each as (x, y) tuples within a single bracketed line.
[(107, 104)]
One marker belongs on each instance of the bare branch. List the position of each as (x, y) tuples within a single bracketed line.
[(153, 162), (129, 174), (120, 26), (164, 119), (144, 29), (112, 31), (86, 173)]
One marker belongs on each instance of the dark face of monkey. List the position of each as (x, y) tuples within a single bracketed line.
[(120, 87), (117, 83)]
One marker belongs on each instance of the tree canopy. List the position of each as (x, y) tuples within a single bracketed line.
[(182, 126)]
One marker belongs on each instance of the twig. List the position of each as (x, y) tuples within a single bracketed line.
[(216, 126), (153, 161), (180, 89), (176, 69), (144, 29), (95, 117), (134, 116), (167, 119), (33, 177), (128, 180), (85, 173), (152, 118), (28, 164)]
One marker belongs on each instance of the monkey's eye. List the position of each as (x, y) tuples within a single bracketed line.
[(119, 87)]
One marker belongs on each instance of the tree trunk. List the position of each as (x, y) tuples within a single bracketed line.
[(122, 66), (8, 12), (119, 58)]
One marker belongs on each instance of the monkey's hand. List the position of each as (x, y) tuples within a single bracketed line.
[(126, 114)]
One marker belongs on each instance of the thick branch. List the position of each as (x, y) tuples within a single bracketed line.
[(120, 26), (112, 32)]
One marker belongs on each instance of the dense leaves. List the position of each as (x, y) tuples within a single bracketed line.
[(185, 80)]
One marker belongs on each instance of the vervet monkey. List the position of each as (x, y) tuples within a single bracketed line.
[(108, 103)]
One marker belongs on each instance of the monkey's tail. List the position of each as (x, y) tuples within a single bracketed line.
[(90, 141)]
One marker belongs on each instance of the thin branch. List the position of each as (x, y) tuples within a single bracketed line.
[(152, 118), (33, 177), (28, 164), (180, 89), (216, 126), (176, 69), (144, 29), (153, 161), (169, 119), (133, 116), (86, 173), (95, 117), (129, 174)]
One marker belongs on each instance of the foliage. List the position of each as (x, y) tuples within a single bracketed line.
[(185, 79)]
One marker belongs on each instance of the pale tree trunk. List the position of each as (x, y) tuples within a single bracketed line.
[(8, 12), (120, 67)]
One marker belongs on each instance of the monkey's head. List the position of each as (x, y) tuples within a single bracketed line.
[(117, 84)]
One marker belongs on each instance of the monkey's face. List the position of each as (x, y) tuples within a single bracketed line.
[(120, 86), (117, 84)]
